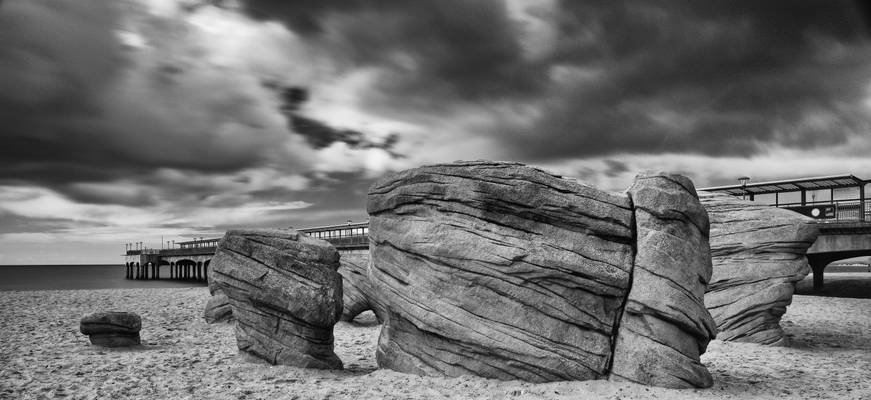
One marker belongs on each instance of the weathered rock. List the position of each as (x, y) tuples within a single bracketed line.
[(758, 253), (285, 295), (357, 293), (112, 328), (218, 308), (498, 270), (665, 326)]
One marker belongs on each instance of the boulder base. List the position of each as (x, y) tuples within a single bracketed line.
[(112, 328), (285, 295)]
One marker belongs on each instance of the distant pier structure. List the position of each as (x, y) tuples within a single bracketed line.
[(190, 260), (185, 260), (346, 238)]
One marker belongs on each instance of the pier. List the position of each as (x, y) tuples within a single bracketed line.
[(190, 260)]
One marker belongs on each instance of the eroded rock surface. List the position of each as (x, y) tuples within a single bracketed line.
[(285, 295), (665, 326), (509, 272), (758, 254), (498, 270), (112, 328), (357, 293), (218, 308)]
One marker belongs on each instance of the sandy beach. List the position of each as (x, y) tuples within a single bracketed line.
[(45, 356)]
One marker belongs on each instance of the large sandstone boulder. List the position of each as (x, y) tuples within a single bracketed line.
[(112, 328), (665, 326), (498, 270), (356, 289), (284, 292), (758, 254), (509, 272)]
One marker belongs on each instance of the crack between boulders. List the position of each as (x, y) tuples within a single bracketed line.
[(619, 317)]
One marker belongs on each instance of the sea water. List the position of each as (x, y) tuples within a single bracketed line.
[(63, 277)]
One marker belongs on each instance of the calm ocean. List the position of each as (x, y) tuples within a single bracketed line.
[(58, 277)]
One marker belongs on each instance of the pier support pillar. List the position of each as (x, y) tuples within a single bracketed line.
[(818, 264)]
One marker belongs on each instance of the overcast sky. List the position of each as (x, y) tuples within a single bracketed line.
[(127, 121)]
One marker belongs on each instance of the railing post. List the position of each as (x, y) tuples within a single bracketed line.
[(862, 201)]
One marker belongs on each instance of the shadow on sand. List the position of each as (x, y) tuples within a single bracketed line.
[(855, 285)]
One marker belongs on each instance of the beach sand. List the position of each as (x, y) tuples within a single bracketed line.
[(45, 356)]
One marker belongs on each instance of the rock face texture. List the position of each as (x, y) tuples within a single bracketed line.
[(112, 328), (284, 292), (356, 289), (218, 308), (758, 255), (509, 272), (665, 326)]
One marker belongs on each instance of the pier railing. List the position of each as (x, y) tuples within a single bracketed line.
[(349, 242), (833, 211), (189, 251)]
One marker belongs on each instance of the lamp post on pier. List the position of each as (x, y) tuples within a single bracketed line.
[(744, 180)]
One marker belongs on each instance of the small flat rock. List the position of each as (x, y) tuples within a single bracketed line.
[(112, 328)]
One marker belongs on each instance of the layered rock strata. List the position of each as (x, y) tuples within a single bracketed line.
[(356, 288), (509, 272), (112, 328), (758, 255), (285, 295), (665, 326), (218, 308)]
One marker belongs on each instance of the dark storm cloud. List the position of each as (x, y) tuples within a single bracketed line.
[(320, 134), (708, 77), (10, 222), (435, 49), (80, 108), (716, 78)]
